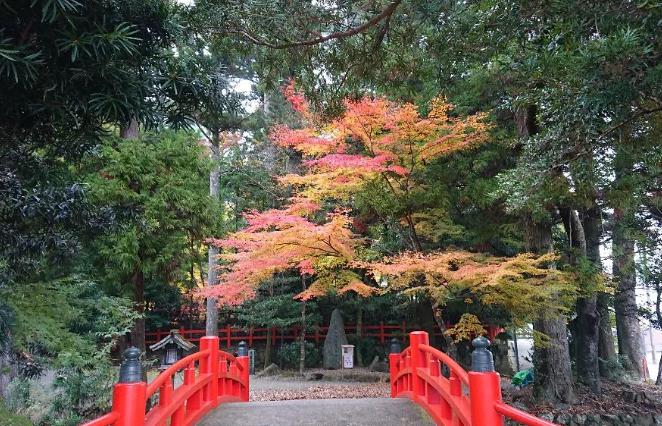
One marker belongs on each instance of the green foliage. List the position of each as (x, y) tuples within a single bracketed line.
[(367, 346), (275, 306), (272, 311), (71, 315), (614, 368), (18, 396), (81, 388), (164, 303), (6, 323), (68, 326), (157, 189), (72, 72), (69, 70), (288, 355)]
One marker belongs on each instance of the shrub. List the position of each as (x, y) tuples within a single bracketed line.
[(288, 355), (368, 347), (67, 327)]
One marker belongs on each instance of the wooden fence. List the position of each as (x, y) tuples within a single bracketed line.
[(229, 336)]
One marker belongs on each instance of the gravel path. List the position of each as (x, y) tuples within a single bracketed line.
[(281, 389)]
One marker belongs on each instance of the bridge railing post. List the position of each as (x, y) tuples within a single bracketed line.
[(242, 359), (394, 364), (484, 385), (418, 360), (210, 366), (130, 392)]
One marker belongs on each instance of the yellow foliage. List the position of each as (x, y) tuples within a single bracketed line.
[(468, 327), (525, 285)]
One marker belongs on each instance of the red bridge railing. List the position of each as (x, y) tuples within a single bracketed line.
[(463, 398), (210, 377)]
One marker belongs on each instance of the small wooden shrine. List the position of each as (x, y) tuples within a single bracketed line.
[(172, 348)]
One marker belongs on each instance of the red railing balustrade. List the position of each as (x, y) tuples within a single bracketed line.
[(210, 377), (229, 335), (463, 398)]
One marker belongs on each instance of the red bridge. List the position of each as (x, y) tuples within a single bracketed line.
[(211, 377), (425, 375), (465, 399)]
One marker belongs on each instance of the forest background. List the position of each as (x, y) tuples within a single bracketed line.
[(465, 163)]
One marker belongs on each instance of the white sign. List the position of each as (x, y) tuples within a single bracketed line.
[(347, 356)]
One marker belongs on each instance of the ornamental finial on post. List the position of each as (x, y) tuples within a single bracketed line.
[(242, 350), (481, 358), (395, 347), (131, 369)]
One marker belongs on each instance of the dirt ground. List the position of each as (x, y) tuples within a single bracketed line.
[(333, 384), (614, 398)]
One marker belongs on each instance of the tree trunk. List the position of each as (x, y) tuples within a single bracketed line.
[(138, 330), (606, 346), (269, 150), (551, 358), (130, 130), (630, 342), (587, 337), (267, 349), (8, 368), (551, 361), (415, 241), (211, 321), (448, 346), (302, 343), (526, 122), (359, 327), (586, 325), (606, 349), (625, 303), (424, 314)]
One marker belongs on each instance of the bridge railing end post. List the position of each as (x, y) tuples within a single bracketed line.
[(130, 392), (418, 360), (484, 385), (243, 360), (394, 364), (210, 366)]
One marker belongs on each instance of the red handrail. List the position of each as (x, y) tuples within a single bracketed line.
[(464, 398), (210, 377)]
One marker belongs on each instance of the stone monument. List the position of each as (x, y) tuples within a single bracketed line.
[(335, 338)]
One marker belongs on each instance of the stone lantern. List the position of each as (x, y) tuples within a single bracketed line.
[(172, 348)]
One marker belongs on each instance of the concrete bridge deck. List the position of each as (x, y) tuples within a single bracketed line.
[(320, 412)]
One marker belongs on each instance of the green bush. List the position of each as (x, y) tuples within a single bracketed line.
[(367, 346), (67, 327), (614, 368), (82, 388), (288, 355), (18, 395)]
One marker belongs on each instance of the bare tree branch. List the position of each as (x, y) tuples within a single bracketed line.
[(384, 14)]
